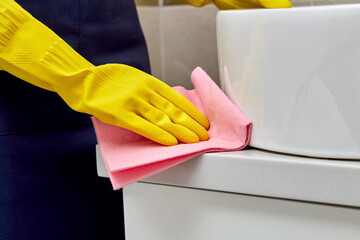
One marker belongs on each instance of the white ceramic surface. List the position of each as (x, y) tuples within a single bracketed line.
[(296, 74)]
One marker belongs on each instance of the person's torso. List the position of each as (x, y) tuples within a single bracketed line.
[(101, 31)]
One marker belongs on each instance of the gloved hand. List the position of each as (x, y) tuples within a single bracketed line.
[(239, 4), (116, 94)]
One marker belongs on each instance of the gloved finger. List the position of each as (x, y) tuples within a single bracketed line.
[(178, 116), (163, 121), (276, 3), (182, 103), (149, 130)]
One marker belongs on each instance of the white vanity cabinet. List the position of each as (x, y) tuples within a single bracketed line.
[(250, 194), (161, 212)]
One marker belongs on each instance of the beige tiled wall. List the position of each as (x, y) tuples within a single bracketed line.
[(180, 38)]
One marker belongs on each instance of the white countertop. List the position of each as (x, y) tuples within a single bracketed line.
[(269, 174)]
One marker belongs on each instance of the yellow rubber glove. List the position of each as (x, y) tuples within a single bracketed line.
[(239, 4), (116, 94)]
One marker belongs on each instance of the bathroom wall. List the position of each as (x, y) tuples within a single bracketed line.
[(181, 37)]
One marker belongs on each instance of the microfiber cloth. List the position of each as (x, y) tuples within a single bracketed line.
[(130, 157)]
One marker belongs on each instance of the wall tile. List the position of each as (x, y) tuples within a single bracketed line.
[(189, 40), (180, 38), (324, 2), (150, 23), (298, 3), (347, 1)]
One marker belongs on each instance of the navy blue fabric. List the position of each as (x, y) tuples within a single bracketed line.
[(49, 187)]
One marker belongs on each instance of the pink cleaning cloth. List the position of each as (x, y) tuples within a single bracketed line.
[(130, 157)]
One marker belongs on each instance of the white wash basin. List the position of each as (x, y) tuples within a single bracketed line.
[(296, 74)]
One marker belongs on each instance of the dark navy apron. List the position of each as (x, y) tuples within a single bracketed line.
[(49, 187)]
